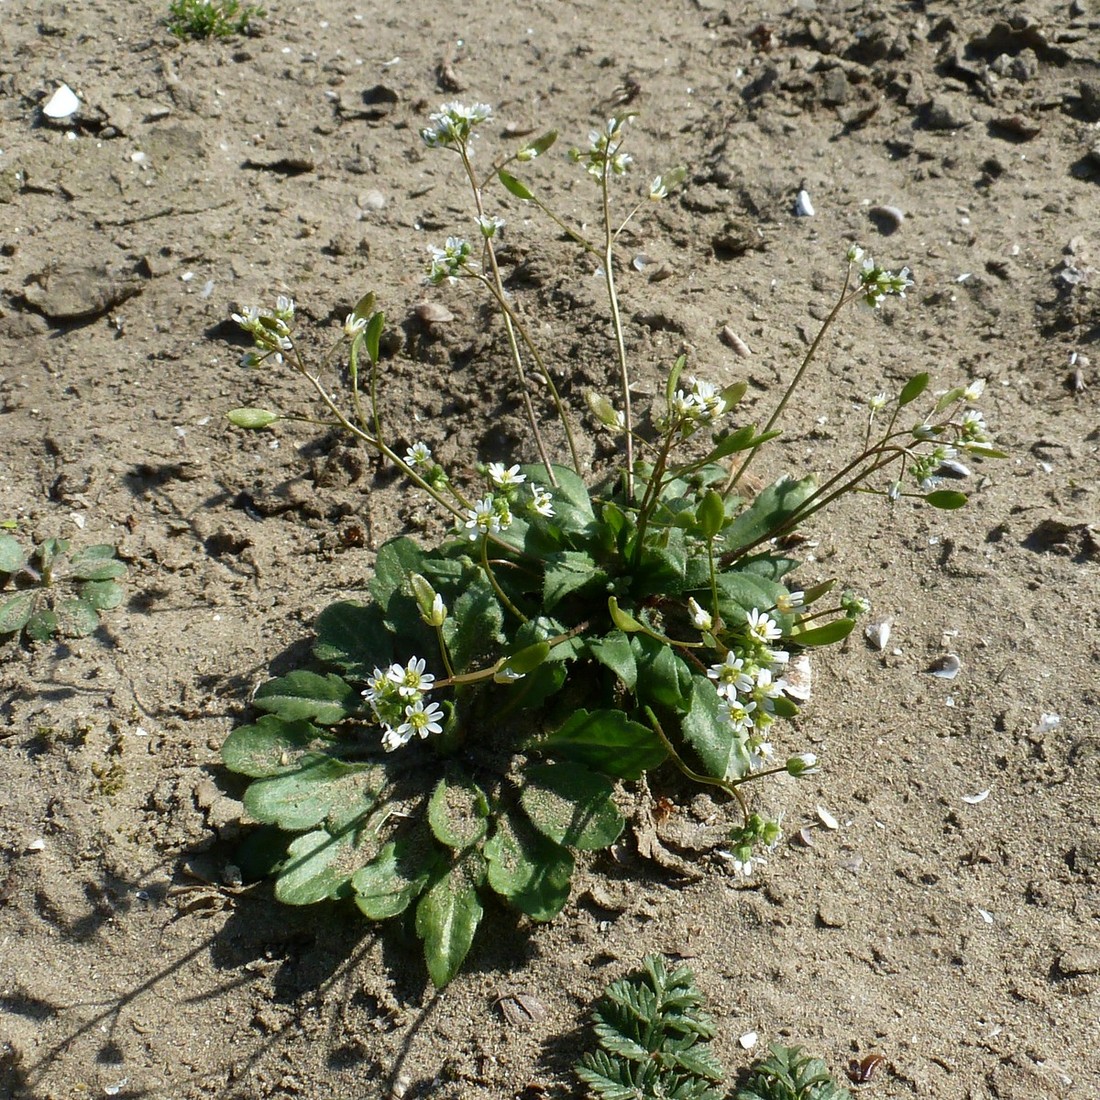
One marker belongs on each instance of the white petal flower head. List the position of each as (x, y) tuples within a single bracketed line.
[(855, 254), (489, 224), (502, 477), (378, 686), (483, 518), (731, 676), (790, 601), (421, 720), (395, 738), (284, 308), (740, 714), (354, 325), (542, 503), (878, 402), (419, 455), (763, 627), (708, 399), (701, 619), (454, 122), (411, 680), (975, 390)]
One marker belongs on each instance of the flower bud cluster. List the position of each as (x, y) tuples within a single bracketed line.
[(602, 157), (270, 332), (701, 403), (453, 123), (397, 697), (449, 261), (876, 284)]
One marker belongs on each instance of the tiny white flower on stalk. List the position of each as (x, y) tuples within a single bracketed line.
[(802, 764), (284, 308), (975, 390), (542, 502), (411, 679), (878, 403), (483, 518), (731, 675), (701, 618), (790, 601), (377, 686), (763, 627), (419, 455), (454, 122), (657, 189), (708, 398), (502, 477), (437, 616), (421, 720), (394, 738), (973, 427), (855, 254), (249, 318), (506, 675), (489, 224), (740, 714), (354, 325)]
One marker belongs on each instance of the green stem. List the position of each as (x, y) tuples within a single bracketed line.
[(496, 586)]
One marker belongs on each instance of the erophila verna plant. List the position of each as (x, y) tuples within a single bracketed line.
[(483, 699), (55, 592), (210, 18)]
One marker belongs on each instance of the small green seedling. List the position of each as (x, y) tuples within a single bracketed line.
[(788, 1074), (210, 18), (57, 593)]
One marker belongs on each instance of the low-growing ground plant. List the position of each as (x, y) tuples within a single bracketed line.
[(653, 1043), (47, 591), (471, 716), (210, 18)]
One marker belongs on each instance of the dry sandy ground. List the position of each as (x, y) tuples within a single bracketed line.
[(961, 939)]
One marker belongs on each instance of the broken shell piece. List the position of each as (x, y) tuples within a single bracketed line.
[(797, 678), (62, 103), (748, 1040), (803, 207), (432, 313), (804, 837), (732, 340), (1048, 723), (826, 819), (952, 467), (37, 845), (974, 799), (878, 632), (946, 667)]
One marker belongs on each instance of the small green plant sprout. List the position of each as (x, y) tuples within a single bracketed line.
[(653, 1038), (210, 18), (788, 1074), (56, 593), (471, 720)]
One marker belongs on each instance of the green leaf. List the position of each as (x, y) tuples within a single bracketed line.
[(252, 418), (606, 741), (572, 505), (707, 729), (777, 504), (571, 805), (447, 917), (321, 865), (528, 869), (567, 572), (272, 746), (372, 336), (74, 618), (102, 595), (320, 788), (740, 592), (474, 625), (96, 563), (913, 389), (514, 187), (353, 637), (663, 678), (396, 560), (303, 694), (398, 874), (947, 499), (12, 555), (742, 439), (614, 652), (711, 514), (830, 633), (364, 306), (663, 565), (542, 144), (50, 550), (16, 611), (42, 625), (457, 812)]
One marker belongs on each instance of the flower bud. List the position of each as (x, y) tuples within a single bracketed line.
[(432, 608), (802, 764)]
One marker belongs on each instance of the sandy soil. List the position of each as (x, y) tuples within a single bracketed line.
[(959, 938)]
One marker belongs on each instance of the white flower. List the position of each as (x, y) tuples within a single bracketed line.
[(657, 189), (855, 254), (284, 308), (740, 714), (502, 477), (419, 455), (489, 224), (974, 390), (421, 720), (395, 738), (506, 675), (483, 518), (701, 618), (249, 319), (411, 680), (790, 601), (438, 614), (454, 122), (731, 675), (878, 402), (354, 325), (801, 764), (763, 627), (542, 502), (378, 686)]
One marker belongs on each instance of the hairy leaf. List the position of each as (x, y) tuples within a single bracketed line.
[(457, 812), (398, 874), (448, 914), (96, 563), (527, 868), (321, 865), (353, 636), (325, 700), (606, 741), (74, 618), (12, 556), (571, 805), (614, 652), (707, 729), (16, 611), (567, 572), (320, 788), (272, 746), (475, 624), (777, 504), (102, 595)]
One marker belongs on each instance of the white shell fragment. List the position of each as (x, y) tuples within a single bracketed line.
[(952, 467), (974, 799), (878, 632), (986, 915), (1048, 723), (803, 207), (63, 103), (946, 667), (37, 845), (748, 1040), (797, 679), (826, 819)]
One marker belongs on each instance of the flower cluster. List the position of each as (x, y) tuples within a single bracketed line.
[(747, 684), (448, 262), (701, 403), (876, 284), (453, 123), (397, 697), (494, 511), (602, 157), (269, 331)]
